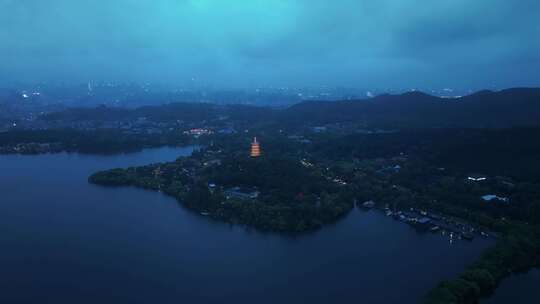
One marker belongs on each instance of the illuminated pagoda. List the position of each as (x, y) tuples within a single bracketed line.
[(255, 148)]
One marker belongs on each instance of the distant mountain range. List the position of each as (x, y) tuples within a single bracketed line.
[(507, 108), (485, 109)]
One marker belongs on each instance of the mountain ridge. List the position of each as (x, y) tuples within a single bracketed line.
[(516, 107), (506, 108)]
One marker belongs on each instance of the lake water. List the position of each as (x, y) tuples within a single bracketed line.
[(519, 288), (66, 241)]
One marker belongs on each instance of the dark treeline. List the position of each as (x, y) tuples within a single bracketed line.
[(509, 152), (438, 162), (99, 141), (185, 112)]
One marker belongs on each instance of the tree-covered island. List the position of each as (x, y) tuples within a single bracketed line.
[(270, 193)]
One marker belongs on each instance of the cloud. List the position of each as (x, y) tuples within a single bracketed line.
[(248, 42)]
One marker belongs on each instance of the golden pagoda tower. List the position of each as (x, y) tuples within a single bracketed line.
[(255, 148)]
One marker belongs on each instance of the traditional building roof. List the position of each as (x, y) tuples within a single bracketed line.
[(255, 148)]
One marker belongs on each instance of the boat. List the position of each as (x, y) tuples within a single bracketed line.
[(368, 205)]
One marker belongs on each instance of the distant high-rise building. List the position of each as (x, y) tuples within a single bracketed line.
[(255, 148)]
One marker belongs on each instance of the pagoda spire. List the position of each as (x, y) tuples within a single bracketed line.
[(255, 148)]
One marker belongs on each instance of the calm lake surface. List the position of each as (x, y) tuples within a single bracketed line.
[(66, 241), (519, 288)]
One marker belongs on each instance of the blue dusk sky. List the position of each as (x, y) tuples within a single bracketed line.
[(249, 43)]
